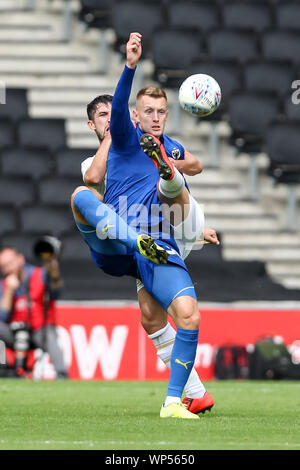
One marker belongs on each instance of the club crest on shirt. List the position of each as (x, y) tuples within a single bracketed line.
[(176, 153)]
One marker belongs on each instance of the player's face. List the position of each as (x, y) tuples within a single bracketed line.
[(101, 120), (11, 262), (151, 114)]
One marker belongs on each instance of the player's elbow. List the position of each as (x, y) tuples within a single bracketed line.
[(91, 178), (195, 169)]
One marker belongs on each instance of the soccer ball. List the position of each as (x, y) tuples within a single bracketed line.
[(200, 95)]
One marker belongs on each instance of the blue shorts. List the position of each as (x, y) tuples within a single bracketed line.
[(164, 282)]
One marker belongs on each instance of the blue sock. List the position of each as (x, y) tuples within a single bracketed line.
[(182, 360), (106, 221)]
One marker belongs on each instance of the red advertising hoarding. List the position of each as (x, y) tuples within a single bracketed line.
[(108, 343)]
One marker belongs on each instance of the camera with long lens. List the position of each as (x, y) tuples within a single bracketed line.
[(47, 246), (21, 332)]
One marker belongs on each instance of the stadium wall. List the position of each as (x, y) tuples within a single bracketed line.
[(108, 343)]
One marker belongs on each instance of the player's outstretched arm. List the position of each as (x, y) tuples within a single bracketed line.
[(121, 125), (189, 165)]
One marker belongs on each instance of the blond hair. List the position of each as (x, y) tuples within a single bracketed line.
[(153, 91)]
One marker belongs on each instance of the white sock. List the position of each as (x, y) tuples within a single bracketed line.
[(172, 188), (163, 341), (169, 400)]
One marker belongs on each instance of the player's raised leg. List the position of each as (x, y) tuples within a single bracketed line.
[(171, 186), (88, 209)]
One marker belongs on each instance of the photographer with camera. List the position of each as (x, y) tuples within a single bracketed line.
[(28, 297)]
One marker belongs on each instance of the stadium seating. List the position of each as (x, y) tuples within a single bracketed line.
[(287, 15), (173, 52), (68, 160), (247, 16), (281, 45), (73, 247), (16, 104), (249, 46), (283, 143), (17, 191), (96, 13), (232, 44), (9, 219), (49, 133), (34, 162), (268, 76), (57, 190), (7, 135), (290, 109), (250, 113), (52, 220), (201, 16), (132, 15)]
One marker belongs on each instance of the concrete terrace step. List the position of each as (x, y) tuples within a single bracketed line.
[(235, 208), (13, 5), (262, 239), (266, 253), (42, 65), (59, 81), (284, 268), (232, 223)]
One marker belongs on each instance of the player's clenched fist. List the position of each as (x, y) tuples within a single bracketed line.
[(133, 50)]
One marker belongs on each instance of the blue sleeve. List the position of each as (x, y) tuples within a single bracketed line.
[(4, 314), (122, 130)]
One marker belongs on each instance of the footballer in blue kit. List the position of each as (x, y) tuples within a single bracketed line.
[(128, 235)]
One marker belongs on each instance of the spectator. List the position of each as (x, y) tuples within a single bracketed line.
[(28, 297)]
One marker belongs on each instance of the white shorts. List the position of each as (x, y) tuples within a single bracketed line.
[(187, 233)]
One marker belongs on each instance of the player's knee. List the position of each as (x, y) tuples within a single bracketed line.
[(185, 313), (77, 190)]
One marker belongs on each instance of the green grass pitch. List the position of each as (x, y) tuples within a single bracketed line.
[(92, 415)]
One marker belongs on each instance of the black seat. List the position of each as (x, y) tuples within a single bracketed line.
[(96, 13), (291, 108), (281, 45), (173, 52), (74, 247), (17, 191), (269, 76), (52, 220), (287, 15), (33, 162), (202, 16), (16, 104), (68, 160), (8, 219), (250, 113), (247, 15), (57, 190), (133, 15), (7, 135), (232, 44), (282, 145), (49, 133)]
